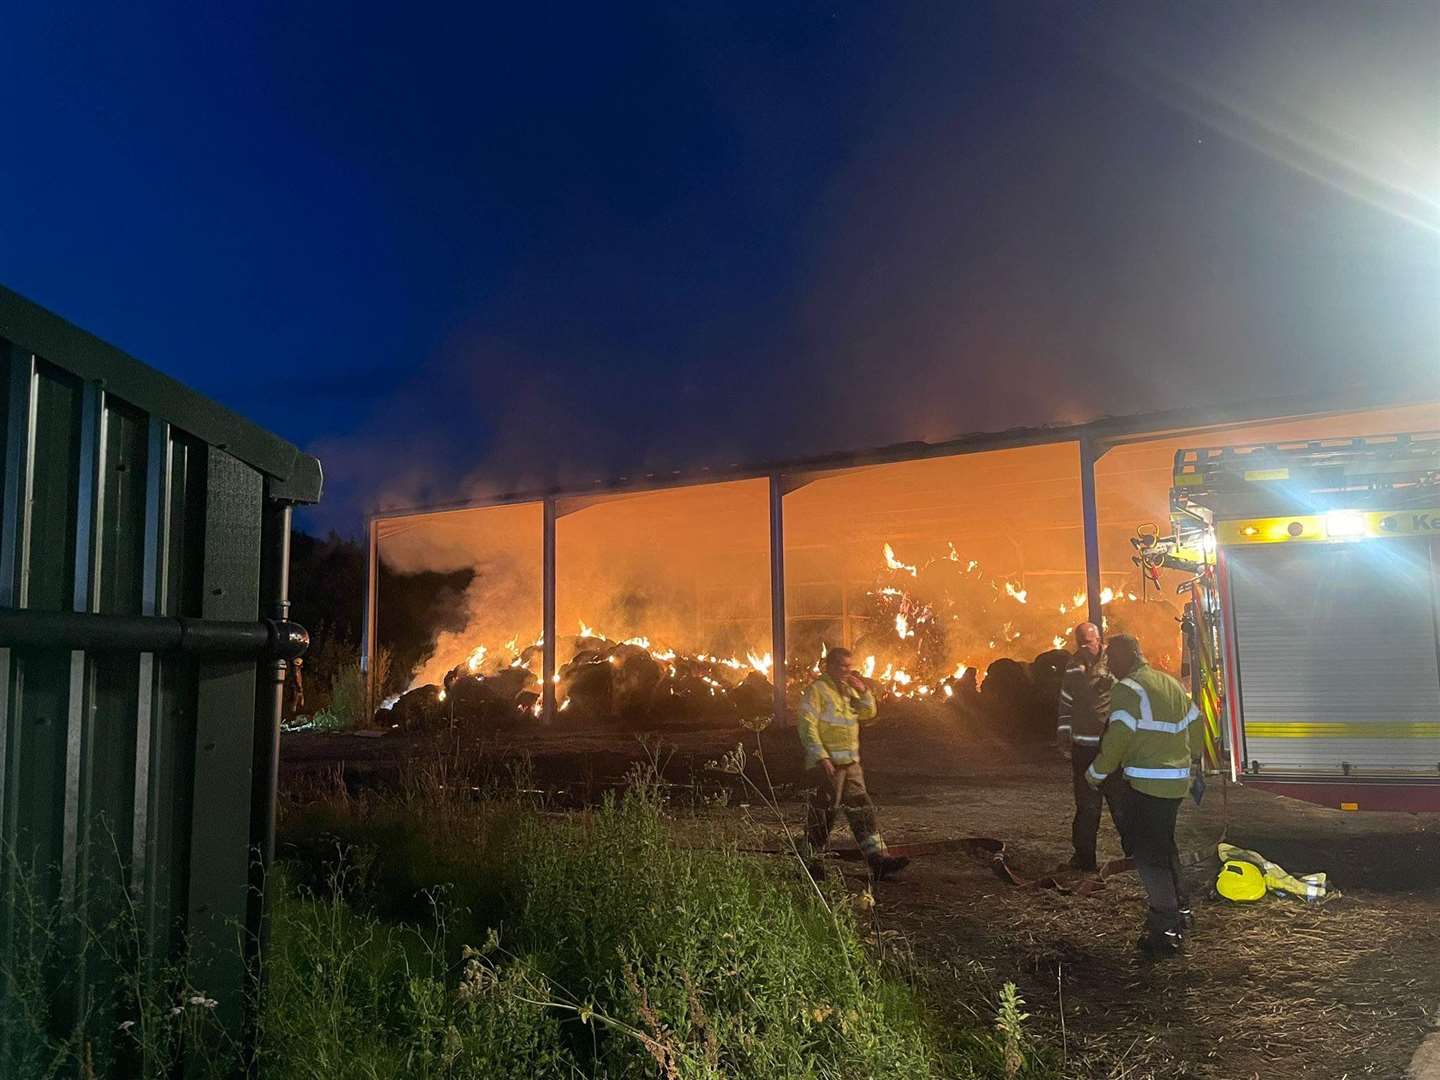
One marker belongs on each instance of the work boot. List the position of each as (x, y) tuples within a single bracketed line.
[(884, 866), (1187, 919), (1085, 866), (1161, 944)]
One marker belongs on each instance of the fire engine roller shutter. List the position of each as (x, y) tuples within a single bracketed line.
[(1338, 656)]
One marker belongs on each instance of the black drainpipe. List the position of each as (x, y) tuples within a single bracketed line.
[(265, 779)]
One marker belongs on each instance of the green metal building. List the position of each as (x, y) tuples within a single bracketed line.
[(144, 639)]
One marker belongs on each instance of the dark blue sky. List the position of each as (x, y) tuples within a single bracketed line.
[(446, 248)]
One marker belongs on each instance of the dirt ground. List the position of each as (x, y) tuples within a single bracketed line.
[(1347, 989)]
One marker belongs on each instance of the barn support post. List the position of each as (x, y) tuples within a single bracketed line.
[(1091, 451), (547, 614), (367, 628), (777, 595)]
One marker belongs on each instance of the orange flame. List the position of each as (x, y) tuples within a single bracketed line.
[(895, 564)]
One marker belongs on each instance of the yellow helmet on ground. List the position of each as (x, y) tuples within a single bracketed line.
[(1240, 881)]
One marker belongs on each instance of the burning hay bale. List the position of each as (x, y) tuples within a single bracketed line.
[(628, 683), (634, 679), (921, 634), (1047, 672), (484, 697), (753, 698), (1007, 694), (419, 708)]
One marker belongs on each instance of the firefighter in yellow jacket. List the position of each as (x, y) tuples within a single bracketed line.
[(831, 711), (1153, 740)]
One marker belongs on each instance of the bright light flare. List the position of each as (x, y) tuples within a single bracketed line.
[(1344, 523)]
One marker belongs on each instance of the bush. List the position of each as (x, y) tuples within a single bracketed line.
[(337, 690)]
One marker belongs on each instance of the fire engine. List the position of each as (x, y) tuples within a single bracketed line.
[(1311, 624)]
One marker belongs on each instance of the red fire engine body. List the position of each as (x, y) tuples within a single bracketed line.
[(1312, 627)]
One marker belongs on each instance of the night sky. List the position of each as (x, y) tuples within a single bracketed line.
[(456, 249)]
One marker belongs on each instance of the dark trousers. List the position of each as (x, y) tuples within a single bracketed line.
[(1150, 830), (854, 799), (1087, 806)]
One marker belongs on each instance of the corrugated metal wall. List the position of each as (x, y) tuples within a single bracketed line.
[(126, 777)]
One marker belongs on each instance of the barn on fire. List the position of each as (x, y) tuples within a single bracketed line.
[(719, 591)]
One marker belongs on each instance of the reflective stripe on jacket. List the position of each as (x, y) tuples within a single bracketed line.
[(829, 721), (1153, 735), (1084, 701)]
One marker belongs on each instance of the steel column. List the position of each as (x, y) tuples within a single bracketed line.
[(368, 626), (547, 614), (1091, 451), (777, 595)]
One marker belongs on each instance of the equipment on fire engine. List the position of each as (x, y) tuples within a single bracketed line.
[(1312, 614)]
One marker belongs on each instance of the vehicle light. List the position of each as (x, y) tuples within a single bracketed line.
[(1249, 530), (1344, 523), (1295, 528)]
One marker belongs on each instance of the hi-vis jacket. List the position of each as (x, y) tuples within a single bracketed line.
[(1152, 737), (1084, 702), (830, 719)]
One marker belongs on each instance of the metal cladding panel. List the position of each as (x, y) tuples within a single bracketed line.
[(1338, 666), (125, 776), (220, 830)]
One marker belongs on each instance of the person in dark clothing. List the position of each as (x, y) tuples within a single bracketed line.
[(1084, 709)]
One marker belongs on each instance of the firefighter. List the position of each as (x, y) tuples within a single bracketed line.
[(831, 711), (1152, 739), (1084, 708), (296, 687)]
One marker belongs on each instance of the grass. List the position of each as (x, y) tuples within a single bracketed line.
[(641, 952), (434, 934)]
